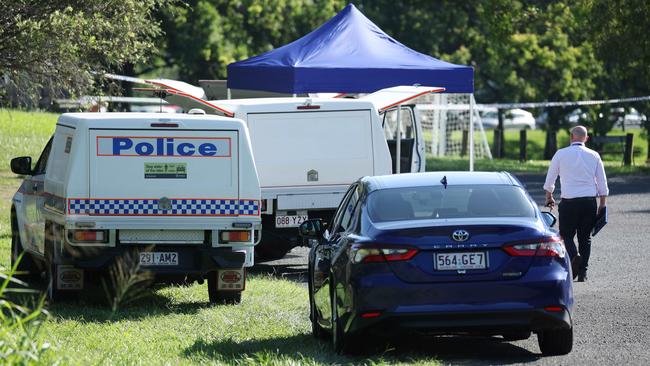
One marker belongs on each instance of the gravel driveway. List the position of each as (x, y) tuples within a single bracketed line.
[(612, 312)]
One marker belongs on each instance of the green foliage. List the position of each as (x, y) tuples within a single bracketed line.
[(61, 45), (21, 341), (204, 36)]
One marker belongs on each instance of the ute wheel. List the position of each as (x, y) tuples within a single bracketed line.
[(54, 294), (515, 336), (316, 330), (27, 267), (555, 342), (221, 297)]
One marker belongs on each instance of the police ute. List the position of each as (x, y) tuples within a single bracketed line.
[(176, 198)]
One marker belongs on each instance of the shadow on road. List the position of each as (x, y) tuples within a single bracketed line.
[(459, 350)]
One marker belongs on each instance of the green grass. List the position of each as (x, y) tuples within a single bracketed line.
[(514, 166), (173, 325)]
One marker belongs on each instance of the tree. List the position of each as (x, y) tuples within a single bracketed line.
[(204, 36), (620, 32), (62, 45)]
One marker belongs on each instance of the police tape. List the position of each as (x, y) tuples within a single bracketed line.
[(566, 104)]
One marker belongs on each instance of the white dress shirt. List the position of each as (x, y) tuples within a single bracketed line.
[(581, 172)]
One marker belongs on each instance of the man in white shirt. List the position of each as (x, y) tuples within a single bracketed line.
[(582, 179)]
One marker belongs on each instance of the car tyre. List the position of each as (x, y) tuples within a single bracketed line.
[(221, 297), (27, 267), (338, 335), (555, 342), (316, 330), (515, 336)]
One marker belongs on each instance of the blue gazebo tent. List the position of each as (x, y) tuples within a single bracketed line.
[(347, 54)]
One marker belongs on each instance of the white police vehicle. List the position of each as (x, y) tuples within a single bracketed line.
[(177, 196)]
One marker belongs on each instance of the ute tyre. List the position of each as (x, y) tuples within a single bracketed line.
[(27, 267), (555, 342), (221, 297), (54, 294)]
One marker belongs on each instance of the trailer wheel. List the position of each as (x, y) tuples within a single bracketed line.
[(220, 296)]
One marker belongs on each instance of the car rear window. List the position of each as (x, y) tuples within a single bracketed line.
[(426, 203)]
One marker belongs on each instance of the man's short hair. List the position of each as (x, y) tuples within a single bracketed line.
[(579, 132)]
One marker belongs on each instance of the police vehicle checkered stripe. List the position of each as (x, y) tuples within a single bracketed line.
[(179, 207)]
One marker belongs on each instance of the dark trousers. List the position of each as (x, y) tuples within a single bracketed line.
[(577, 216)]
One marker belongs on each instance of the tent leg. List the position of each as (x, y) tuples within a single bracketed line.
[(398, 142), (471, 132), (228, 95)]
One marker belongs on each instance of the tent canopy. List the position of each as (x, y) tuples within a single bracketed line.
[(347, 54)]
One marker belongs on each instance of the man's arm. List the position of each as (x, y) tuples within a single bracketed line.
[(551, 177), (601, 185)]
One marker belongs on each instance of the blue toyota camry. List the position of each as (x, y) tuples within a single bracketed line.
[(439, 253)]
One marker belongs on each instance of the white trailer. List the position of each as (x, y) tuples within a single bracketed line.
[(309, 150)]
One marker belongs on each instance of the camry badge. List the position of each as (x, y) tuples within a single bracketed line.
[(460, 235)]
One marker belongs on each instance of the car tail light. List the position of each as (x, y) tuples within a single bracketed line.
[(554, 309), (235, 236), (88, 236), (374, 254), (543, 247), (371, 314)]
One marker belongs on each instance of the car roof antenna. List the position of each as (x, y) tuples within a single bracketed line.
[(444, 181)]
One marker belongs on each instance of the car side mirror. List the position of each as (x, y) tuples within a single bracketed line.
[(311, 230), (549, 218), (22, 165)]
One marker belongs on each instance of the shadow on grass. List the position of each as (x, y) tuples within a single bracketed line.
[(91, 305), (291, 272), (306, 349)]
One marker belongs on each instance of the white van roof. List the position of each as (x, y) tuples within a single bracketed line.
[(286, 104), (144, 120)]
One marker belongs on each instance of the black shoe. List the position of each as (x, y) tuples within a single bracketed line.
[(575, 265), (582, 277)]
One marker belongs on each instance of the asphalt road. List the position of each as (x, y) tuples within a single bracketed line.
[(612, 312)]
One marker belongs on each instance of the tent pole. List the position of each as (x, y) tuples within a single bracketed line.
[(228, 95), (398, 143), (471, 132)]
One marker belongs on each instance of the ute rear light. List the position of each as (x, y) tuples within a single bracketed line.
[(88, 236), (375, 254), (235, 236), (543, 247)]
